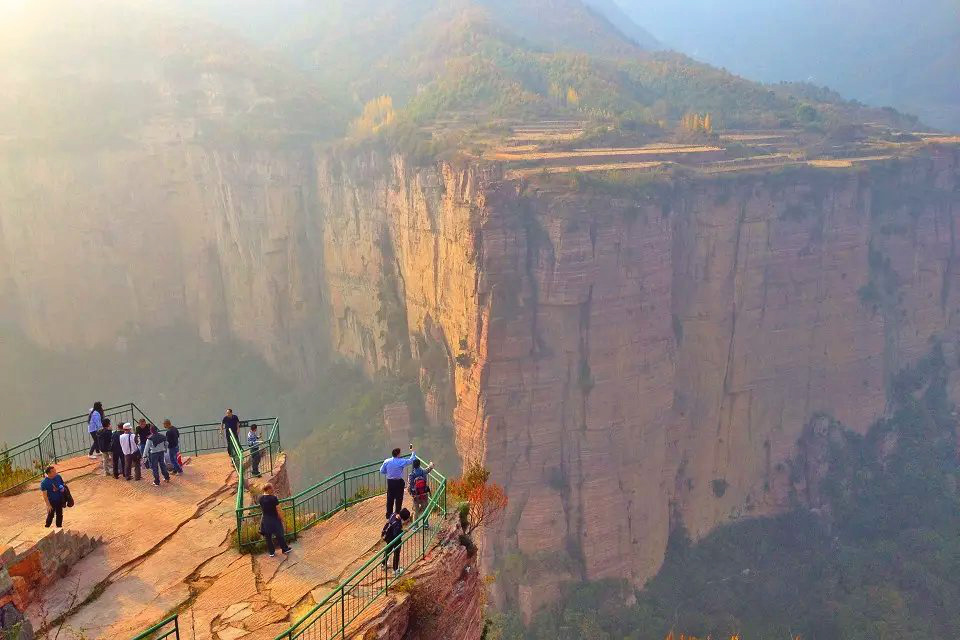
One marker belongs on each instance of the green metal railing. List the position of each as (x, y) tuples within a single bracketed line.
[(329, 619), (166, 628), (62, 439)]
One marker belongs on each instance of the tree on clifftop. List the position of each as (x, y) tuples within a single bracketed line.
[(483, 502)]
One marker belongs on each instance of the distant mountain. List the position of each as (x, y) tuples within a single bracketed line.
[(624, 23), (104, 71), (882, 52), (247, 70)]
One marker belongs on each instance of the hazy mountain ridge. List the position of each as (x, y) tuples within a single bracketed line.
[(903, 54), (305, 73)]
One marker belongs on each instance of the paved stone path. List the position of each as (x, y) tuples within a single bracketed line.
[(170, 549)]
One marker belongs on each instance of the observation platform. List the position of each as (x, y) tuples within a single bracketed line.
[(183, 560)]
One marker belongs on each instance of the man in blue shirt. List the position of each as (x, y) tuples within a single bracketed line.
[(393, 468), (54, 492)]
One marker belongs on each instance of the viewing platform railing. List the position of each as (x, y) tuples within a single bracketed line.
[(62, 439), (328, 619)]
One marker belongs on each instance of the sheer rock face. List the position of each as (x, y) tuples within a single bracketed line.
[(622, 363)]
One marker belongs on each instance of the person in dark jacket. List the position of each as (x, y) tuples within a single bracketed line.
[(173, 447), (392, 532), (156, 451), (105, 440), (116, 452), (271, 525), (143, 434)]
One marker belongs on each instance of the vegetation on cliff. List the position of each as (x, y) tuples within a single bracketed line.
[(164, 75), (881, 560)]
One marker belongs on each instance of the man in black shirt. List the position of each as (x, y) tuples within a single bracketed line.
[(173, 447), (271, 525), (232, 423), (143, 433)]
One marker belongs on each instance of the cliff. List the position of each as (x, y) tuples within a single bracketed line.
[(625, 359)]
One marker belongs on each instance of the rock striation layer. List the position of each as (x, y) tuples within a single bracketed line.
[(626, 360)]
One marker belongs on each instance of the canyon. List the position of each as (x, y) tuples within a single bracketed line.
[(627, 359)]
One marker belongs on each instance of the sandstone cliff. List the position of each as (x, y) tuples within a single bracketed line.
[(624, 360)]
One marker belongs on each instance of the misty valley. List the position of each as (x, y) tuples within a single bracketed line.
[(675, 351)]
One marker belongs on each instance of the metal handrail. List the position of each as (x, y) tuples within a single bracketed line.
[(165, 633), (24, 462), (331, 495), (372, 580)]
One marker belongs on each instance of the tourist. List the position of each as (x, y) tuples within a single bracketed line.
[(393, 468), (253, 444), (420, 490), (143, 434), (173, 447), (105, 440), (155, 451), (54, 491), (131, 453), (116, 451), (271, 524), (232, 423), (391, 534), (94, 423)]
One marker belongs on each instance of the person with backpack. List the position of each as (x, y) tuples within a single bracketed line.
[(54, 491), (105, 441), (94, 423), (392, 534), (393, 468), (271, 525), (131, 453), (155, 451), (253, 445), (173, 447), (116, 451), (420, 490)]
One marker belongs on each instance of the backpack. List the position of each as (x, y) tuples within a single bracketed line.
[(387, 534), (420, 487)]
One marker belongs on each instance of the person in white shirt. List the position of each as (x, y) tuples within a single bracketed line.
[(131, 452)]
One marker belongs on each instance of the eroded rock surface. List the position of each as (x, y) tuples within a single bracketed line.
[(173, 548)]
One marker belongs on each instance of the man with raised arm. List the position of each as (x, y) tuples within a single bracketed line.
[(393, 468)]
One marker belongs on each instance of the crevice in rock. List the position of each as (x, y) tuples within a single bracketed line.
[(99, 588)]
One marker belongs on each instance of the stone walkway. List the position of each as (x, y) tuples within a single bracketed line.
[(170, 549)]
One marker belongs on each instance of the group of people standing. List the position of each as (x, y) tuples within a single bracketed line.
[(125, 451)]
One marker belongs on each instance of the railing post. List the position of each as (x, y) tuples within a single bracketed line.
[(343, 612), (176, 626), (293, 504), (343, 482), (53, 445)]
